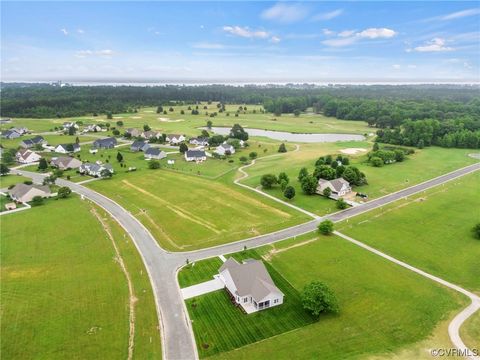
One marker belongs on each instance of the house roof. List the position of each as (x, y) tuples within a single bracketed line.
[(138, 144), (65, 161), (250, 278), (174, 136), (33, 141), (105, 142), (25, 153), (199, 139), (75, 146), (226, 146), (153, 151), (338, 184), (20, 190), (195, 153)]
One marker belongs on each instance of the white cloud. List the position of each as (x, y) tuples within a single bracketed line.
[(411, 66), (80, 31), (348, 37), (396, 66), (328, 15), (328, 32), (434, 45), (64, 31), (375, 33), (208, 45), (100, 53), (275, 39), (245, 32), (106, 52), (285, 13), (460, 14)]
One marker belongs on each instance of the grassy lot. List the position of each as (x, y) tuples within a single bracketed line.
[(63, 293), (198, 272), (189, 212), (379, 315), (470, 331), (432, 161), (219, 326), (431, 231), (7, 180), (51, 139)]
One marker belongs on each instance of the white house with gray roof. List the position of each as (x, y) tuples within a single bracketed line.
[(24, 193), (154, 153), (25, 156), (338, 187), (250, 285), (65, 162), (107, 143), (29, 143), (225, 149), (94, 169), (195, 155), (65, 148)]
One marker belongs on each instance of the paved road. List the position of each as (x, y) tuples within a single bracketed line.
[(177, 336)]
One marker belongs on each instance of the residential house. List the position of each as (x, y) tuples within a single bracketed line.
[(67, 148), (29, 143), (25, 193), (10, 134), (5, 121), (338, 187), (133, 132), (199, 141), (26, 156), (65, 162), (92, 128), (175, 139), (250, 285), (195, 155), (149, 134), (139, 145), (225, 149), (69, 124), (154, 153), (107, 143), (94, 169)]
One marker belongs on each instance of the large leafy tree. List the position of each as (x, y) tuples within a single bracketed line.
[(318, 298)]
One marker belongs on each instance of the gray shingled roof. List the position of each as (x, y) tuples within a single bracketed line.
[(20, 190), (153, 151), (196, 153), (107, 142)]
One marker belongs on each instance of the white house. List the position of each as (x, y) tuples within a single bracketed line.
[(67, 125), (26, 156), (25, 193), (199, 141), (94, 169), (92, 128), (64, 148), (195, 155), (338, 187), (175, 139), (225, 149), (250, 285), (11, 134), (154, 153), (65, 162)]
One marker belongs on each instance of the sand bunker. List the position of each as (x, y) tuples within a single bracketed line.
[(352, 151), (169, 120), (148, 111), (118, 117), (135, 117)]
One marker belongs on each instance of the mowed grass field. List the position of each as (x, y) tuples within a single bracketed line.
[(421, 166), (384, 309), (198, 272), (470, 331), (186, 212), (432, 230), (8, 180), (51, 140), (63, 292)]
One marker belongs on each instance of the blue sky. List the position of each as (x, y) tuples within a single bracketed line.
[(240, 41)]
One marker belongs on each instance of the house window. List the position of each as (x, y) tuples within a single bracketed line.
[(245, 299)]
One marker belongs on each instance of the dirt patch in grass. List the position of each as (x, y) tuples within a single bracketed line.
[(353, 151)]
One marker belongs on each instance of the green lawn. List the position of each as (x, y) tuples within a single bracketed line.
[(432, 231), (383, 307), (189, 212), (198, 272), (220, 326), (7, 180), (51, 139), (63, 293), (470, 331), (421, 166)]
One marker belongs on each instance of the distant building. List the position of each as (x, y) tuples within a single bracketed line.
[(65, 162), (133, 132), (149, 134), (69, 124), (92, 128), (199, 141), (25, 193), (10, 134), (26, 156), (107, 143), (154, 153), (175, 139), (94, 170), (338, 187), (29, 143), (225, 149), (195, 155), (67, 148), (139, 145)]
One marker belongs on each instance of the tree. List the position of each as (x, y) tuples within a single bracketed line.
[(105, 174), (243, 159), (64, 192), (154, 164), (268, 180), (325, 227), (116, 132), (205, 133), (302, 174), (209, 124), (72, 130), (282, 148), (4, 170), (309, 184), (328, 159), (289, 192), (8, 156), (283, 184), (37, 201), (296, 112), (146, 127), (476, 231), (376, 161), (354, 176), (120, 123), (159, 109), (237, 132), (325, 172), (327, 192), (399, 155), (109, 115), (317, 298), (341, 204), (339, 170), (58, 173), (375, 146), (42, 164), (119, 157), (421, 144), (49, 180), (183, 148), (283, 176), (253, 155), (77, 140), (345, 161)]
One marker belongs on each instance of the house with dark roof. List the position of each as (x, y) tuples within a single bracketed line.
[(94, 170), (139, 145), (10, 134), (67, 148), (154, 153), (24, 193), (195, 155), (29, 143), (250, 285), (107, 143), (65, 162), (338, 187)]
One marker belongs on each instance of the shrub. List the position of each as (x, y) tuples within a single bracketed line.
[(154, 164), (268, 181), (376, 161), (325, 227), (341, 204), (289, 192), (318, 298), (64, 192)]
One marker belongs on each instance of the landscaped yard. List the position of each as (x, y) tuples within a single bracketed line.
[(198, 272), (63, 292), (8, 180), (470, 331), (384, 308), (432, 231), (186, 212)]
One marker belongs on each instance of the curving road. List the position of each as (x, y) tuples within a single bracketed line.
[(177, 335)]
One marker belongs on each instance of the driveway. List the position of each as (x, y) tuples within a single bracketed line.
[(202, 288)]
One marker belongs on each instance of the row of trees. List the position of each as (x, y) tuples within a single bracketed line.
[(268, 181)]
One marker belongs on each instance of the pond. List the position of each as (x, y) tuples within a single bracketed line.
[(293, 137)]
